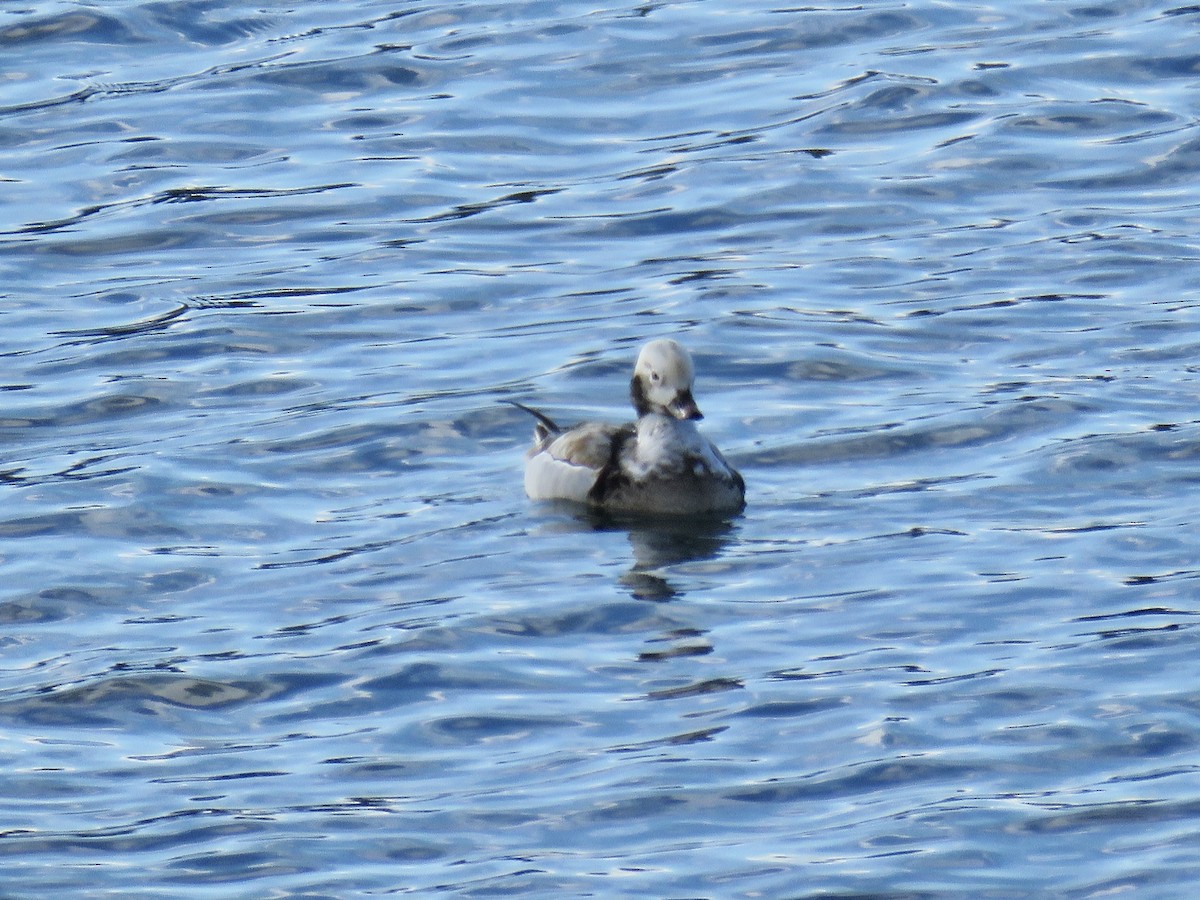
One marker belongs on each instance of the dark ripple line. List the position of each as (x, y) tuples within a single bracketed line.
[(223, 776), (177, 195), (142, 326), (700, 688), (135, 87), (373, 546), (466, 210), (856, 779), (369, 24), (953, 679), (1064, 818), (74, 472), (1143, 580), (1148, 611), (162, 321)]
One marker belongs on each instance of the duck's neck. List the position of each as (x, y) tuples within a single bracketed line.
[(658, 433)]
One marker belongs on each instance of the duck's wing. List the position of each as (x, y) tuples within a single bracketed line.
[(567, 466)]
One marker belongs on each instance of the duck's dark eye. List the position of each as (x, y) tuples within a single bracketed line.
[(654, 377)]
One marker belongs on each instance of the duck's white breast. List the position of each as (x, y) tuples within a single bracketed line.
[(667, 447)]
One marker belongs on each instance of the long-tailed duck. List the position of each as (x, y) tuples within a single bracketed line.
[(660, 464)]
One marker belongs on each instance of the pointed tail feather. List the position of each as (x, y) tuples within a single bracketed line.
[(545, 426)]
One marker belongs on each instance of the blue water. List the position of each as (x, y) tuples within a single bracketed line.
[(277, 617)]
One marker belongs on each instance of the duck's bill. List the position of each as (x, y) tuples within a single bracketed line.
[(684, 407)]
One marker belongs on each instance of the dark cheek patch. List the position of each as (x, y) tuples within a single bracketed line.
[(637, 394)]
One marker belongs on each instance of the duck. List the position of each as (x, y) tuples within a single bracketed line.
[(659, 464)]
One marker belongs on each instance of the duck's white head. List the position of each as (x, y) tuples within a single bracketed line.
[(662, 381)]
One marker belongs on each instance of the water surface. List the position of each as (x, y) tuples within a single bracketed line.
[(277, 617)]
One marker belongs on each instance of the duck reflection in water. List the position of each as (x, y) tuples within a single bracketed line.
[(657, 543)]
